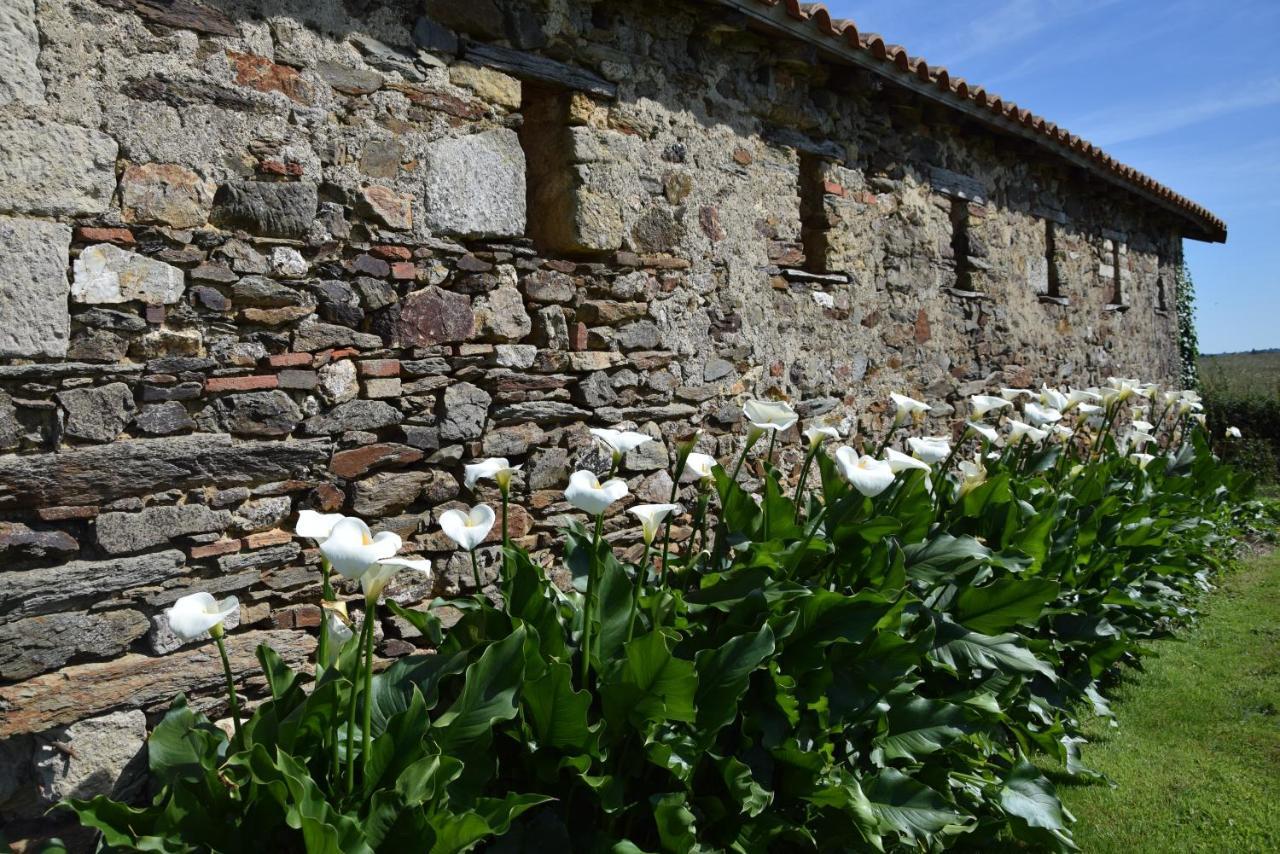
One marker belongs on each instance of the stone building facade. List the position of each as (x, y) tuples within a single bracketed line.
[(263, 256)]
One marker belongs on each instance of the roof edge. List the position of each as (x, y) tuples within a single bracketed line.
[(840, 40)]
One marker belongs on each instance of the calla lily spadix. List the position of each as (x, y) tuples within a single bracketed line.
[(620, 442), (1019, 430), (316, 526), (865, 473), (930, 449), (468, 528), (815, 436), (899, 462), (351, 547), (983, 404), (698, 466), (972, 475), (380, 574), (1039, 415), (651, 517), (986, 431), (767, 415), (496, 469), (907, 409), (197, 613), (589, 495)]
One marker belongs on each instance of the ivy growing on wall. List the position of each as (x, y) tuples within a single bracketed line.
[(1188, 341)]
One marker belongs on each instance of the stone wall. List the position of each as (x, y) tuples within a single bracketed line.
[(257, 257)]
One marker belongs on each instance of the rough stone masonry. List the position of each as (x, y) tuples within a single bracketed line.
[(263, 256)]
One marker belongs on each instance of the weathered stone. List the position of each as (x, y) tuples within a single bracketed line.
[(538, 411), (266, 209), (549, 286), (263, 75), (475, 185), (181, 14), (98, 345), (262, 558), (136, 680), (36, 644), (18, 540), (121, 533), (354, 415), (63, 587), (165, 194), (141, 466), (382, 388), (347, 80), (514, 441), (33, 284), (165, 342), (548, 468), (338, 382), (338, 302), (19, 53), (11, 429), (518, 356), (53, 169), (107, 756), (359, 461), (492, 86), (108, 274), (387, 493), (392, 209), (97, 414), (267, 293), (312, 335), (260, 413), (500, 315), (261, 514), (465, 409), (110, 318), (375, 293), (164, 419), (434, 316)]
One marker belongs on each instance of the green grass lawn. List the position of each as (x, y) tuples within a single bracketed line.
[(1196, 758), (1242, 373)]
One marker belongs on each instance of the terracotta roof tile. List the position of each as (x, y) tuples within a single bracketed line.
[(872, 43)]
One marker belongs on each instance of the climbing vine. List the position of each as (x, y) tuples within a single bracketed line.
[(1188, 341)]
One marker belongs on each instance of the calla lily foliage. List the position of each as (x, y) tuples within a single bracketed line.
[(883, 660)]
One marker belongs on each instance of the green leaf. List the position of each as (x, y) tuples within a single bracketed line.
[(918, 727), (1003, 604), (753, 798), (651, 684), (933, 559), (910, 808), (722, 677), (677, 825), (1030, 796), (424, 621), (957, 646), (489, 695), (557, 713), (826, 618)]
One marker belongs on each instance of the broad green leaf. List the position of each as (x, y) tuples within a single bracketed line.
[(1003, 604), (910, 808), (489, 695), (557, 713), (918, 727), (722, 677), (956, 647), (650, 684)]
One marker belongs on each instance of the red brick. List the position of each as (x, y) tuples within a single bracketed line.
[(218, 547), (379, 368), (155, 314), (262, 539), (392, 253), (290, 360), (357, 461), (296, 617), (404, 270), (59, 514), (343, 353), (833, 188), (89, 234), (578, 336), (240, 383), (280, 167)]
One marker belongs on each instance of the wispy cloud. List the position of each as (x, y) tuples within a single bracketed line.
[(1118, 125)]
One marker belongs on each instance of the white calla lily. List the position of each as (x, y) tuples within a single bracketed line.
[(907, 409), (986, 431), (1139, 439), (1052, 398), (984, 404), (1062, 431), (1143, 460), (900, 462), (1012, 394), (770, 415), (589, 495), (1200, 418), (1077, 396), (1090, 410), (698, 466), (1144, 426), (1234, 433), (930, 449), (651, 517), (351, 548), (197, 613), (815, 436), (620, 442), (468, 528), (1040, 415), (316, 526), (865, 473), (381, 573), (1019, 430), (497, 469), (1118, 390), (972, 475)]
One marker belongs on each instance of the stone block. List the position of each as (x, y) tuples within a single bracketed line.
[(19, 54), (500, 315), (38, 644), (34, 320), (107, 757), (354, 415), (54, 169), (97, 414), (434, 316), (121, 533), (266, 209), (475, 185), (108, 274), (465, 409), (83, 582), (165, 194), (258, 413)]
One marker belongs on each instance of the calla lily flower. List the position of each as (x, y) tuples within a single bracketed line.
[(982, 404), (1062, 431), (1012, 394), (1019, 430), (972, 475), (496, 469), (815, 436), (1052, 398), (316, 526), (468, 528), (1200, 418), (907, 409), (900, 462), (865, 473), (586, 493), (770, 415), (1143, 460), (698, 466), (651, 517), (197, 613), (1090, 410), (1039, 415), (1234, 433), (931, 449), (1077, 396), (1139, 439), (984, 430), (381, 573), (1118, 390), (620, 442), (1144, 426), (351, 547)]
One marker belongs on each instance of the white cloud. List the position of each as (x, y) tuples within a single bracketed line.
[(1128, 123)]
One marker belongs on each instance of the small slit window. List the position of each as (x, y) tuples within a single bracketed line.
[(1118, 258), (960, 244), (549, 177), (814, 223), (1162, 297), (1053, 285)]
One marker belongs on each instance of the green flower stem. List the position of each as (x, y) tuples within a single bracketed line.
[(681, 459), (587, 608), (753, 436), (699, 528), (351, 715), (475, 571), (804, 475), (641, 571), (773, 441), (506, 538), (326, 594), (366, 735), (884, 443), (232, 699)]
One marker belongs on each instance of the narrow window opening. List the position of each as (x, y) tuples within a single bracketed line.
[(1162, 298), (1118, 256), (960, 245), (814, 223), (1054, 285), (550, 181)]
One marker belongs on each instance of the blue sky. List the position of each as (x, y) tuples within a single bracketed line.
[(1185, 90)]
